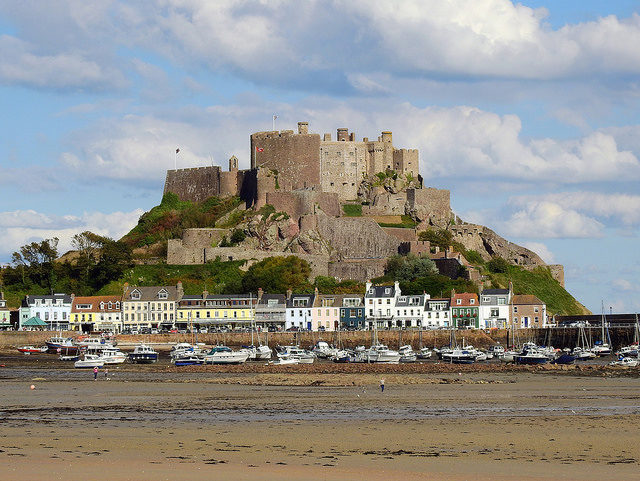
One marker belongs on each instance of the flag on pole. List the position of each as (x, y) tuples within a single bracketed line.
[(177, 150), (259, 149)]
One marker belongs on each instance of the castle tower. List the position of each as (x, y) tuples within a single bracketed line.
[(233, 164), (303, 128)]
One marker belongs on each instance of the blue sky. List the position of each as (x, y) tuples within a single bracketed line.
[(527, 112)]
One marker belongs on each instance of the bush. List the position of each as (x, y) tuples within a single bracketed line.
[(352, 210), (498, 265)]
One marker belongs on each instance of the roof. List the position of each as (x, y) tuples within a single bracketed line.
[(31, 298), (34, 321), (494, 292), (150, 293), (526, 299), (95, 301), (411, 300), (466, 297), (281, 298), (337, 300), (381, 291), (310, 298)]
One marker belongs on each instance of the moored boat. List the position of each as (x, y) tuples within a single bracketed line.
[(225, 355), (32, 349), (143, 354), (89, 360)]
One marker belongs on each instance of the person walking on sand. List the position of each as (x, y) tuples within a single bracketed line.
[(106, 373), (381, 385), (95, 373)]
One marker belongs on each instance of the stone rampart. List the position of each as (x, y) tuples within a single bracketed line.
[(405, 235), (430, 206), (359, 270), (304, 202), (356, 237), (195, 185), (202, 237)]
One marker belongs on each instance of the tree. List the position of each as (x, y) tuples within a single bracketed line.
[(277, 274), (36, 261), (440, 238), (115, 258), (498, 265), (410, 267)]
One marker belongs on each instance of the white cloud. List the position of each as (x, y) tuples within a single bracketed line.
[(622, 208), (23, 227), (315, 44), (550, 220), (19, 64)]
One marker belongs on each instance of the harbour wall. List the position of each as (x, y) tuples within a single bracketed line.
[(560, 338)]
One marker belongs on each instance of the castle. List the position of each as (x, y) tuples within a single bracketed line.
[(312, 178)]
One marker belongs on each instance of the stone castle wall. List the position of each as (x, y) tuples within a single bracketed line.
[(356, 237), (195, 185), (360, 270), (304, 202), (431, 206)]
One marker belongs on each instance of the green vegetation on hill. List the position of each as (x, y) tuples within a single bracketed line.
[(352, 210), (172, 216), (540, 283), (407, 223)]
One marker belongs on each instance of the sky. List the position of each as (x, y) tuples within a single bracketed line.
[(528, 112)]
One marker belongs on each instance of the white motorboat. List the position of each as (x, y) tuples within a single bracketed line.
[(628, 351), (294, 352), (378, 353), (284, 360), (625, 362), (459, 356), (425, 353), (496, 350), (583, 354), (89, 360), (407, 354), (602, 349), (113, 355), (323, 350), (224, 355), (258, 353)]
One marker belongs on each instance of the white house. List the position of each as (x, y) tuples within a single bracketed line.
[(299, 311), (494, 308), (380, 304), (410, 311), (437, 313), (55, 310)]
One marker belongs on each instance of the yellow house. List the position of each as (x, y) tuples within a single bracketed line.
[(96, 313), (216, 311)]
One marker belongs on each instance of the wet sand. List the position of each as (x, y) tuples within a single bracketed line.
[(154, 424)]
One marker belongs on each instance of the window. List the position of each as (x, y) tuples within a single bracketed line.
[(535, 309), (472, 301), (163, 294), (459, 301), (515, 308), (135, 295), (501, 301)]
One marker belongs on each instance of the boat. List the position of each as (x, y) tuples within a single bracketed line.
[(224, 355), (531, 357), (625, 362), (603, 347), (69, 357), (496, 350), (143, 354), (188, 360), (459, 356), (89, 360), (295, 352), (407, 354), (583, 354), (258, 353), (92, 341), (564, 358), (425, 353), (284, 360), (323, 350), (343, 356), (32, 349), (113, 355), (55, 344)]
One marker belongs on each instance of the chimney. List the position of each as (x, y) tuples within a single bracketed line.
[(260, 292), (289, 293), (315, 291), (205, 294), (180, 290)]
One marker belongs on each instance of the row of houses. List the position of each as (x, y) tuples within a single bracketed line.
[(382, 307)]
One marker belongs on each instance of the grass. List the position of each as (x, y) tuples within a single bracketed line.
[(352, 210), (540, 283), (407, 223)]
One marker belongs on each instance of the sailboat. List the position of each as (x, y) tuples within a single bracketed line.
[(582, 352), (259, 352), (631, 350), (603, 348)]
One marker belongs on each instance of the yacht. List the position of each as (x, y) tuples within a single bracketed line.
[(425, 353), (113, 355), (89, 360), (323, 350), (258, 353), (187, 359), (143, 354), (625, 362), (379, 353), (295, 352), (459, 356), (224, 355), (407, 354), (55, 344)]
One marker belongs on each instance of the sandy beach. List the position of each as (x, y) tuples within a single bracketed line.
[(464, 425)]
